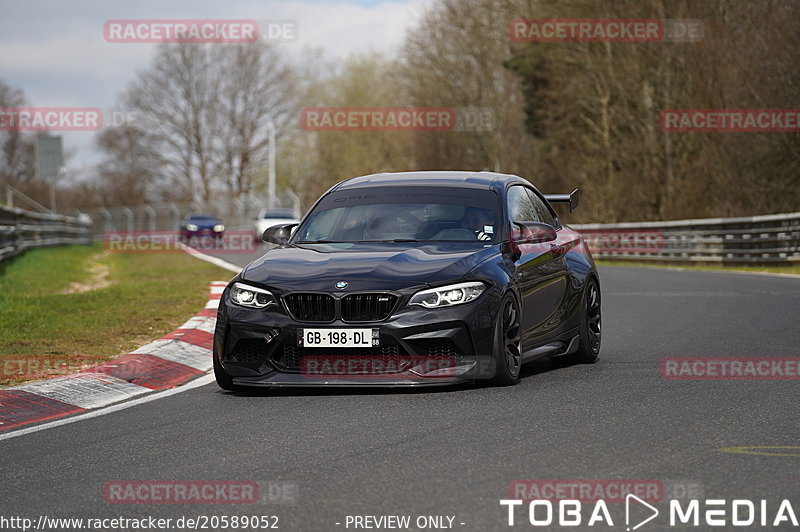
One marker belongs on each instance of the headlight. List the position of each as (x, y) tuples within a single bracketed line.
[(219, 228), (191, 227), (251, 297), (447, 296)]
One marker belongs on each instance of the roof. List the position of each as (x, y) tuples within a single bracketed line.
[(484, 180)]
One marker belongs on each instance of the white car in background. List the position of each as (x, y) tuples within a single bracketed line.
[(269, 217)]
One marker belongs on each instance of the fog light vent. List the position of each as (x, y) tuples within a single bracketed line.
[(249, 351)]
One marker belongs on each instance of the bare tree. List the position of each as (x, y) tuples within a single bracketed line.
[(206, 106), (596, 106), (130, 170), (455, 58), (16, 148), (322, 158), (256, 87)]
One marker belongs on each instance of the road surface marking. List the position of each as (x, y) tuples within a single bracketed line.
[(202, 381), (763, 450)]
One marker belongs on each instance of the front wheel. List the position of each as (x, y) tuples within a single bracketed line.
[(224, 380), (507, 352)]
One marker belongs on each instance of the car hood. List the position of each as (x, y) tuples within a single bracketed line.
[(365, 266)]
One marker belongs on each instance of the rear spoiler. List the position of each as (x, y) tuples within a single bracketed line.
[(572, 199)]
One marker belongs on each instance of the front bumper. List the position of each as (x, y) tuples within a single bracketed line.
[(418, 347)]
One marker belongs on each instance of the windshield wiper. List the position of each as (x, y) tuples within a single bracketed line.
[(359, 241), (390, 240), (321, 242)]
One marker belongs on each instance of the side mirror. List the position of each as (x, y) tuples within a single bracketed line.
[(533, 233), (278, 234)]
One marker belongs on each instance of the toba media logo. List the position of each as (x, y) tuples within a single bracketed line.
[(638, 513)]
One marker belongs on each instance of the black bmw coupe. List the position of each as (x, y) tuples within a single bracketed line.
[(412, 279)]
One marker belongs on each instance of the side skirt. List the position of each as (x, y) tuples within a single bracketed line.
[(553, 349)]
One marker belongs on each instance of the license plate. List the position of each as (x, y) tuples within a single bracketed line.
[(338, 338)]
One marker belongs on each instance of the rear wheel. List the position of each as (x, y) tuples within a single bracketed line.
[(590, 331), (507, 352)]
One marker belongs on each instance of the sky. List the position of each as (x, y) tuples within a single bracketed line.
[(55, 50)]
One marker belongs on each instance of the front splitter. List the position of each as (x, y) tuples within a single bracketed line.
[(279, 380)]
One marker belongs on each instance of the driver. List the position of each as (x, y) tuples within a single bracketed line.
[(479, 221)]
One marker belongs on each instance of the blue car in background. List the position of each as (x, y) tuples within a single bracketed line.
[(201, 225)]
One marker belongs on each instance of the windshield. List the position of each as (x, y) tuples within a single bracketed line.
[(202, 218), (395, 214)]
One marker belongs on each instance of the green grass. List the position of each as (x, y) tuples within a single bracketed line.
[(44, 331), (756, 269)]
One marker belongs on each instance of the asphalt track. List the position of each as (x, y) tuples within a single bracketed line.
[(454, 451)]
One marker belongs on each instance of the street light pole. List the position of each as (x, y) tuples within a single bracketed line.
[(272, 156)]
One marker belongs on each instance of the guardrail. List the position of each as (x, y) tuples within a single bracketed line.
[(769, 239), (21, 230)]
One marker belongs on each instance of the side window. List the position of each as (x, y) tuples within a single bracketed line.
[(520, 206), (544, 214)]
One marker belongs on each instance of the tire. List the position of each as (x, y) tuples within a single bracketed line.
[(507, 350), (590, 330), (224, 380)]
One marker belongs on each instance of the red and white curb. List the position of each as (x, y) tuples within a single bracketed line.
[(170, 361)]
